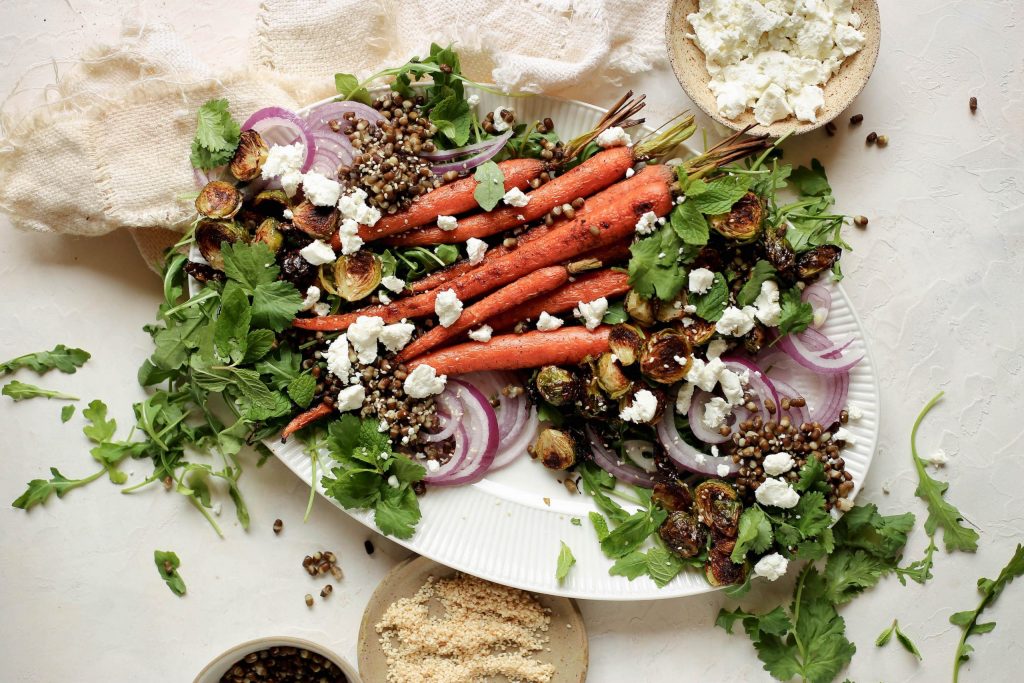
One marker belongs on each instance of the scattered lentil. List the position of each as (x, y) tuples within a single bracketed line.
[(856, 119), (883, 140), (973, 103), (368, 546), (278, 525), (872, 136), (860, 221)]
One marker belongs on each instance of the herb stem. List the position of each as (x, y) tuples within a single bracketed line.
[(207, 294), (145, 482), (206, 513), (313, 458)]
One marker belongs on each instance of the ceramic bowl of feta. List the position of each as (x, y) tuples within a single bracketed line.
[(783, 66)]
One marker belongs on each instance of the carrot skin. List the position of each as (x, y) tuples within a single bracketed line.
[(533, 285), (593, 175), (317, 412), (565, 346), (450, 200), (603, 283)]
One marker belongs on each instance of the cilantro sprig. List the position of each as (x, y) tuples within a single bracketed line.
[(217, 136)]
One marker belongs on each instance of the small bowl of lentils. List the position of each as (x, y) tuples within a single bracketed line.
[(278, 660)]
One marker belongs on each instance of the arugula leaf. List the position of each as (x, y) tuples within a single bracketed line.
[(66, 412), (690, 224), (990, 590), (453, 119), (349, 88), (761, 272), (167, 563), (885, 636), (302, 389), (941, 513), (755, 534), (919, 571), (39, 490), (719, 195), (565, 562), (217, 136), (490, 185), (811, 182), (711, 304), (60, 358), (796, 313), (19, 391), (595, 481)]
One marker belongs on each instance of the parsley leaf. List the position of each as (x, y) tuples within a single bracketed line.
[(19, 391), (217, 136), (761, 272), (349, 88), (565, 562), (711, 304), (60, 358), (167, 564), (397, 512), (690, 224), (274, 305), (250, 265), (719, 195), (894, 629), (490, 187), (796, 313)]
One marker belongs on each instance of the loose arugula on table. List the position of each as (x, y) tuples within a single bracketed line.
[(167, 563), (62, 358), (217, 136), (20, 391), (902, 638)]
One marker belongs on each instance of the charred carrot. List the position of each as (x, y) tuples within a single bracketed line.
[(565, 346), (509, 296), (611, 220), (603, 283), (593, 175), (450, 200), (317, 412)]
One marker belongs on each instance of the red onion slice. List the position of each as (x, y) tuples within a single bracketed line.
[(517, 420), (686, 456), (623, 471), (513, 447), (696, 418), (819, 297), (448, 154), (478, 435), (322, 115), (757, 382), (279, 126), (463, 165), (799, 350)]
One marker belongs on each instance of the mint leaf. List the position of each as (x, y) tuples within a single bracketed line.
[(718, 195), (565, 562), (631, 565), (490, 187), (349, 89), (711, 304), (761, 272), (301, 390), (453, 119), (60, 358), (167, 563), (232, 325), (690, 224), (217, 136), (19, 391), (663, 565), (600, 525)]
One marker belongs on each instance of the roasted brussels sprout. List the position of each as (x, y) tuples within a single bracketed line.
[(661, 356), (810, 263), (557, 386), (667, 311), (672, 495), (271, 197), (219, 200), (209, 236), (556, 449), (698, 333), (626, 343), (610, 376), (268, 233), (755, 339), (249, 156), (719, 507), (592, 402), (357, 275), (743, 221), (777, 249), (319, 221), (720, 570), (641, 310), (683, 535)]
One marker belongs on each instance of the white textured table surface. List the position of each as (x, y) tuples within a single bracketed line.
[(936, 277)]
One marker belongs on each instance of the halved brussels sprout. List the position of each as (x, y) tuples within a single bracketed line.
[(626, 342), (719, 507), (672, 495), (268, 197), (249, 156), (683, 535), (610, 376), (668, 311), (268, 233), (699, 332), (592, 402), (660, 395), (641, 310), (810, 263), (742, 222), (556, 449), (661, 355), (777, 249), (557, 386), (318, 221), (209, 236), (720, 570), (357, 275), (219, 200), (755, 339)]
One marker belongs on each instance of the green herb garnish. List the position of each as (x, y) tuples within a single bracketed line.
[(565, 562), (490, 186), (20, 391), (217, 136), (894, 630), (59, 358), (167, 564)]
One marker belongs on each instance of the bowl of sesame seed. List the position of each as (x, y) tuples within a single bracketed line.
[(278, 659)]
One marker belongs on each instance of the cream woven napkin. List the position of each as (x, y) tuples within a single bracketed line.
[(107, 145)]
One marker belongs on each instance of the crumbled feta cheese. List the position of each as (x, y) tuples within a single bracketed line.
[(854, 412), (684, 398), (705, 374), (288, 215), (394, 337), (714, 451), (938, 459), (447, 307), (350, 398), (736, 322), (475, 249), (844, 505), (646, 224), (312, 297), (778, 463), (807, 102), (642, 409), (689, 308), (767, 304), (843, 434), (591, 313), (363, 335), (614, 137), (354, 207), (320, 190), (776, 493), (732, 386), (772, 567), (547, 322), (481, 334), (433, 466), (687, 322), (424, 381), (290, 182), (383, 297), (322, 308), (338, 362), (715, 412), (447, 222), (630, 172), (317, 252), (395, 284), (473, 100), (348, 232), (393, 481), (700, 280), (282, 159), (500, 124), (772, 106), (516, 197), (723, 470), (716, 348)]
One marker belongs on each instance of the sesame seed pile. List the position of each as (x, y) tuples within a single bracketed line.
[(486, 630)]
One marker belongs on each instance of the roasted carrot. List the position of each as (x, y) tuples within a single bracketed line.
[(564, 346), (593, 175), (603, 283), (450, 200), (509, 296), (612, 218), (317, 412)]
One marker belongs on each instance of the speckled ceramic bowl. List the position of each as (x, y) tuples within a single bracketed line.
[(689, 66), (220, 665)]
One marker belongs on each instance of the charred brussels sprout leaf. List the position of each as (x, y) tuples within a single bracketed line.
[(357, 275), (268, 233), (719, 507), (556, 449), (210, 235), (626, 342), (699, 332), (610, 376), (219, 200), (720, 570), (683, 535), (319, 221), (818, 259), (639, 308), (674, 496), (557, 386), (743, 221), (660, 358), (248, 160)]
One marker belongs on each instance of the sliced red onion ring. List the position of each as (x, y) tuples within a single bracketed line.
[(279, 126), (323, 114), (799, 349), (200, 178), (513, 447), (448, 154), (819, 297), (450, 418), (685, 455), (641, 453), (463, 165), (696, 418), (623, 471), (757, 382), (476, 440), (517, 421), (333, 148)]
